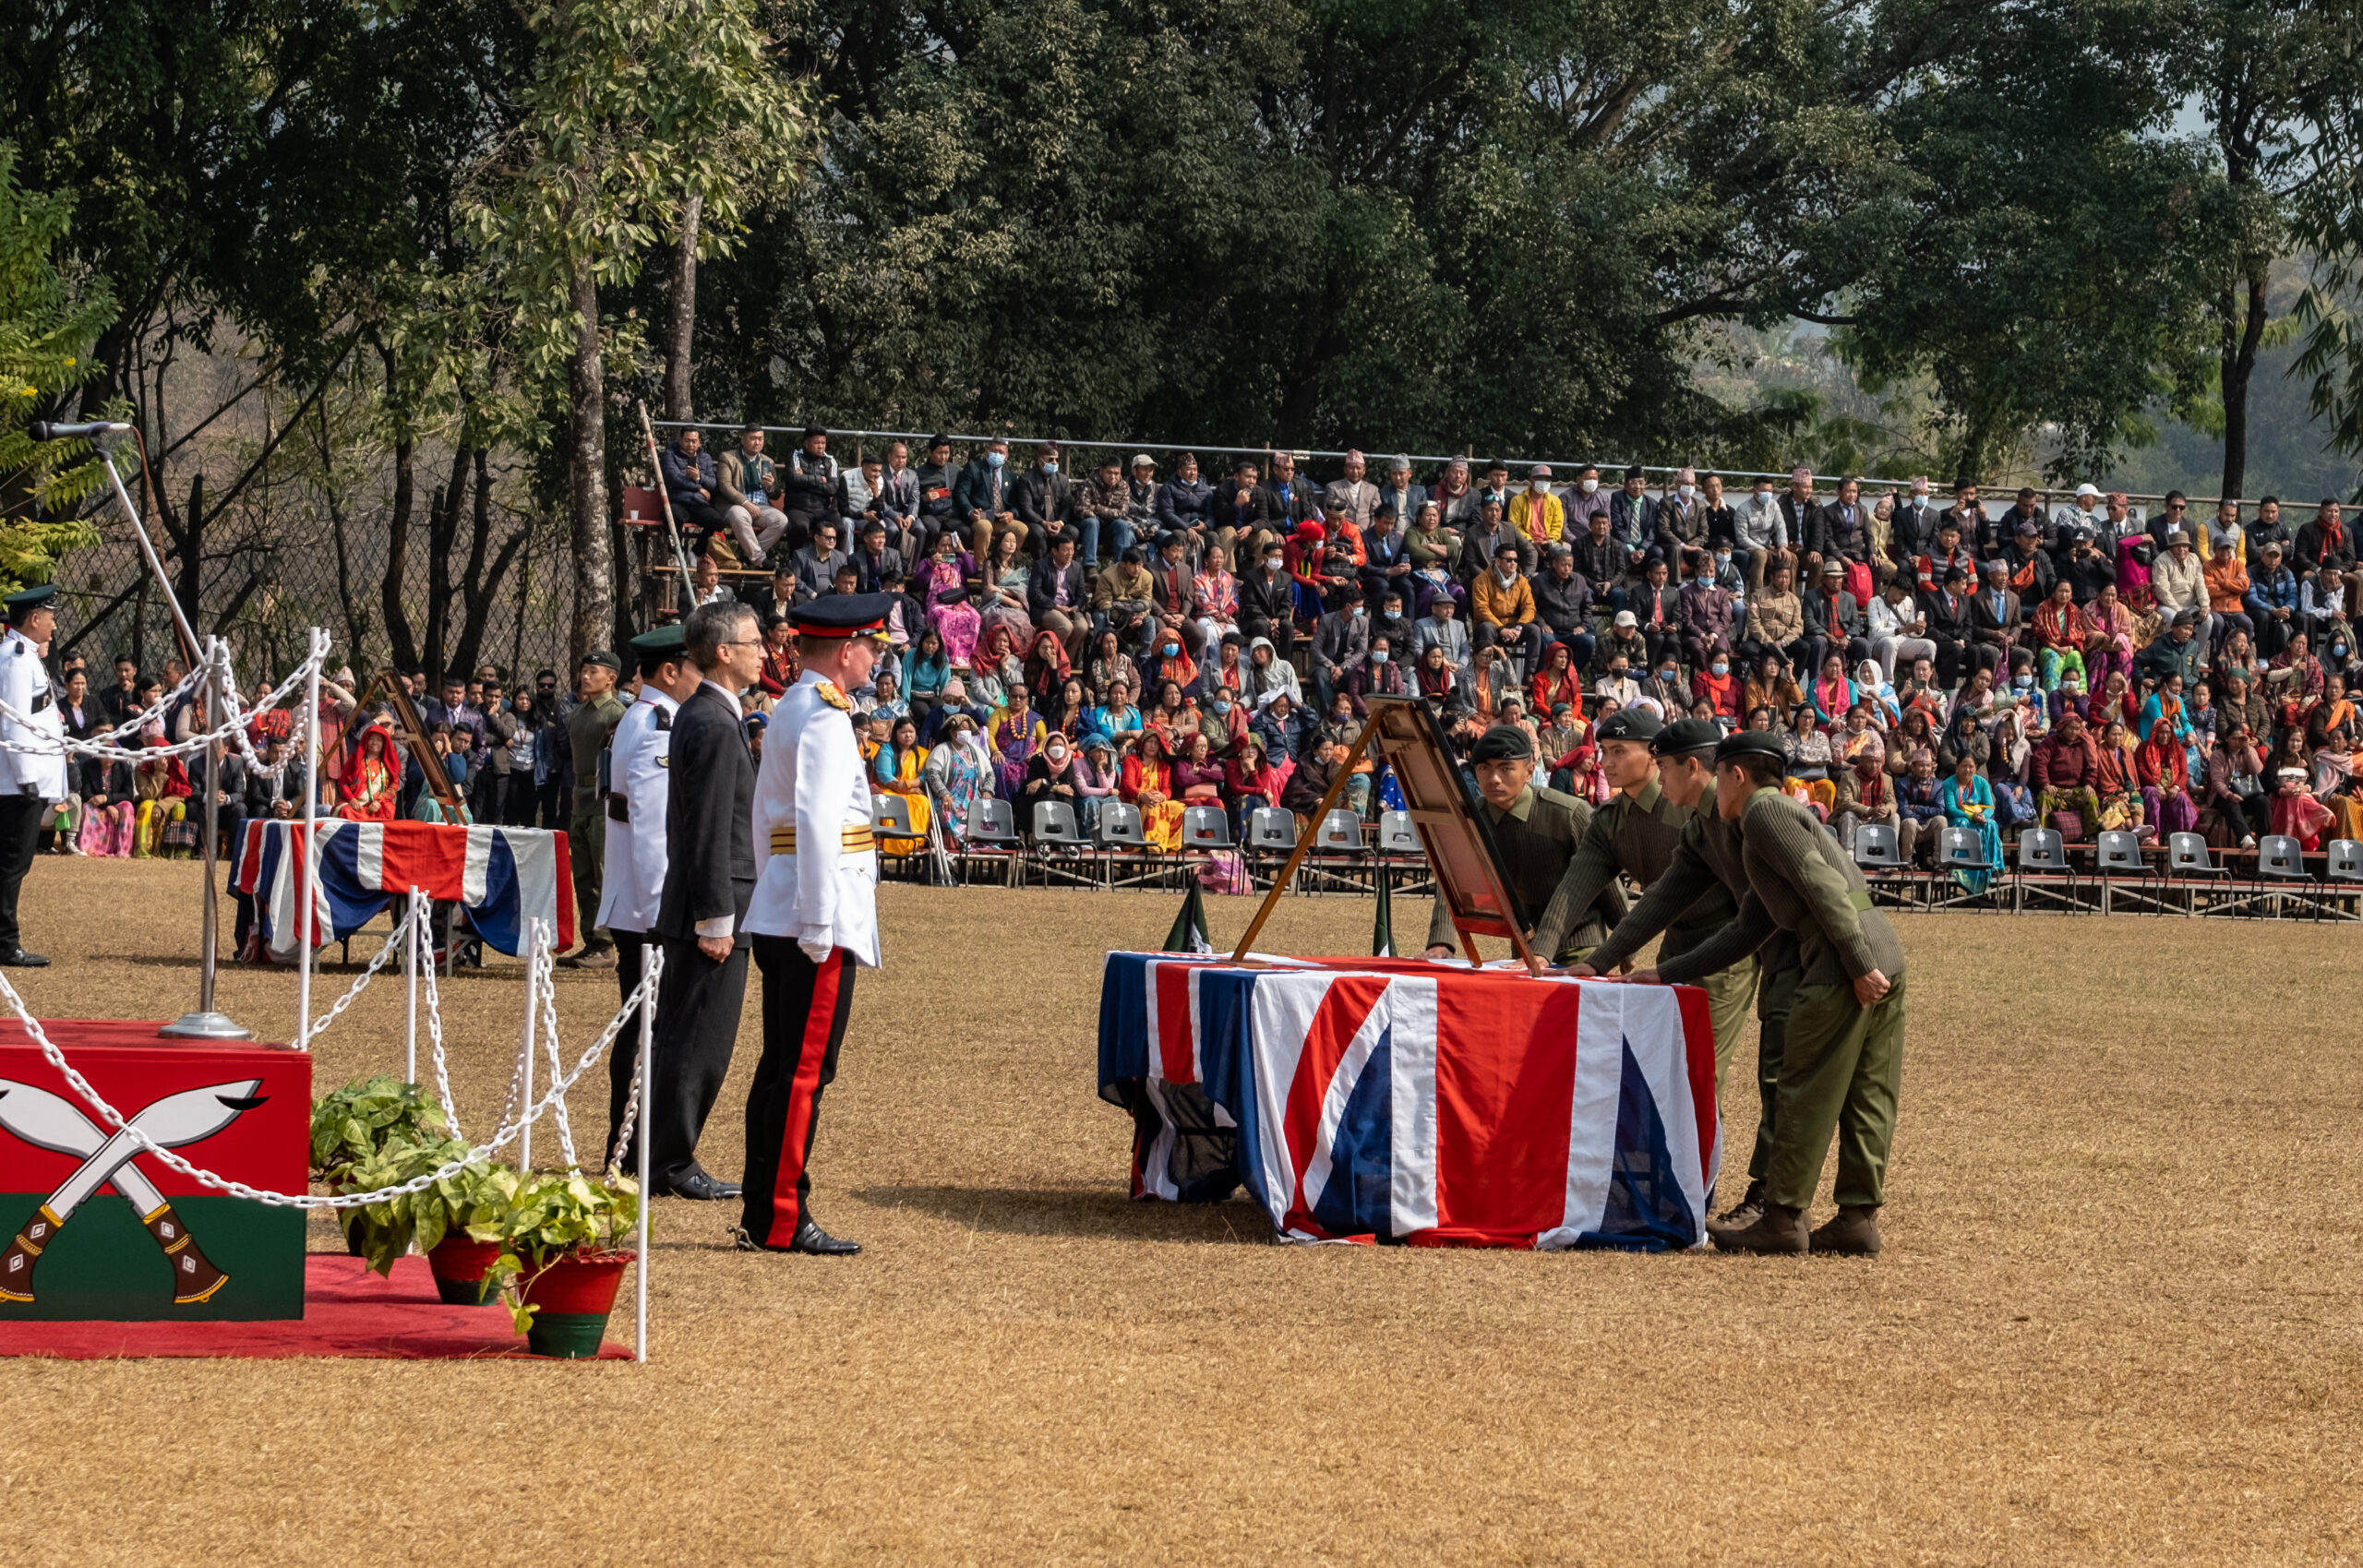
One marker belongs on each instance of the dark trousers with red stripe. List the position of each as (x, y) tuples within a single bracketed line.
[(805, 1008)]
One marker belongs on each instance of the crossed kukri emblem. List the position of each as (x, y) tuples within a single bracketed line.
[(47, 1121)]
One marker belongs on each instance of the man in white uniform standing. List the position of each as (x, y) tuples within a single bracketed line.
[(815, 912), (28, 782), (633, 885)]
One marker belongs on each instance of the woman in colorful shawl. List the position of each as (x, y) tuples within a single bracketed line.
[(2061, 635), (1217, 603), (1015, 734), (895, 770), (955, 774), (1003, 598), (1558, 680), (1436, 681), (1873, 688), (1147, 783), (1173, 664), (1489, 680), (373, 780), (1000, 674), (2116, 783), (1047, 670), (1252, 781), (943, 580), (1833, 694), (1968, 801), (781, 662), (1111, 664), (2108, 639)]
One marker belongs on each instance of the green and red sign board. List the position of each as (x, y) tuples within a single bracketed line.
[(100, 1228)]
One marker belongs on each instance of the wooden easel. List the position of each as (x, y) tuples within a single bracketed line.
[(1402, 734), (412, 732)]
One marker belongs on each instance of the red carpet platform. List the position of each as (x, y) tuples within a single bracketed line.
[(348, 1311)]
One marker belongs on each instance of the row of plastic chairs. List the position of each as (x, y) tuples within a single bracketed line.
[(2043, 854)]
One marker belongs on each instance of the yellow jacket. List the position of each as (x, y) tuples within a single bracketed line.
[(1493, 605), (1541, 525)]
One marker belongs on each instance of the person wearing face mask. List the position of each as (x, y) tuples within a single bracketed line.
[(1048, 506), (1718, 685), (1705, 611), (1535, 512), (1502, 603), (1267, 601), (1340, 642), (982, 496), (1912, 528), (1760, 531), (1682, 518)]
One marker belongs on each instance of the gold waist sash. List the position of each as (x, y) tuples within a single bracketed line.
[(858, 841)]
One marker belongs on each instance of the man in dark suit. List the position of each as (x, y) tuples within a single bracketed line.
[(1834, 622), (1058, 599), (709, 881), (774, 598), (873, 558), (1994, 623), (1947, 608)]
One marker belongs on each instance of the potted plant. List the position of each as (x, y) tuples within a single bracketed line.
[(360, 1122), (455, 1221), (562, 1256)]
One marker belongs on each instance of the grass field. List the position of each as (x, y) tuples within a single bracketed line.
[(2117, 1319)]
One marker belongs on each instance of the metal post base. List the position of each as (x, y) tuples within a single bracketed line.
[(205, 1026)]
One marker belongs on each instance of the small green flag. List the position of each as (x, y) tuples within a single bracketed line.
[(1381, 931), (1189, 933)]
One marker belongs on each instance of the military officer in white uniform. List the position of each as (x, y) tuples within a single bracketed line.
[(815, 912), (26, 781), (633, 864)]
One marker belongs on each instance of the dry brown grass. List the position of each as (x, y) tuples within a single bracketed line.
[(2116, 1321)]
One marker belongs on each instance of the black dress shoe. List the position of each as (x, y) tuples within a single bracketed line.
[(811, 1238), (698, 1185), (19, 959)]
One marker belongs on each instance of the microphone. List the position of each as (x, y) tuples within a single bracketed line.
[(42, 430)]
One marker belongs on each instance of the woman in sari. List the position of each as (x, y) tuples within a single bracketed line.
[(1968, 801), (1197, 777), (1015, 734), (2118, 783), (2296, 813), (1002, 600), (1173, 665), (943, 582), (1557, 681), (2108, 639), (1252, 781), (1833, 694), (373, 781), (1147, 783), (2162, 771), (895, 770), (956, 776)]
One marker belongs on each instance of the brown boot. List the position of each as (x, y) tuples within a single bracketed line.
[(16, 1262), (1779, 1228), (194, 1276), (1852, 1232), (1747, 1212)]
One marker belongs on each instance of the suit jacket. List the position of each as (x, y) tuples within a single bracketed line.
[(873, 572), (1817, 612), (974, 489), (709, 820), (1042, 586), (1946, 623), (1985, 625)]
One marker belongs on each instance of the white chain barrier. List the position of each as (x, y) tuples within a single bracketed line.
[(421, 922), (652, 960), (233, 730), (395, 940), (543, 972), (510, 1129)]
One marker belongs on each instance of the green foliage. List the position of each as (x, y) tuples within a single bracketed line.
[(557, 1215), (47, 326), (363, 1120), (471, 1202)]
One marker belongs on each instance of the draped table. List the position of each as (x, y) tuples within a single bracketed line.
[(502, 876), (1412, 1101)]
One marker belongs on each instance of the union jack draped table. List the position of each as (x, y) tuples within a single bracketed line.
[(503, 877), (1403, 1100)]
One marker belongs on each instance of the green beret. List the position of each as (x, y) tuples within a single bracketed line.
[(1628, 724), (1683, 736), (663, 640), (1750, 743), (1503, 743)]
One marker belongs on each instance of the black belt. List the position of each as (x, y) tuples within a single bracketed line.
[(618, 807)]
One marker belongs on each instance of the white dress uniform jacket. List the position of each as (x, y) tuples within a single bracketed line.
[(633, 883), (812, 781), (24, 685)]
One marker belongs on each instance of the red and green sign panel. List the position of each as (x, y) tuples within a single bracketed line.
[(98, 1227)]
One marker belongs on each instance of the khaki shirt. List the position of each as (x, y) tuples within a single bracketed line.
[(1538, 836), (1636, 835), (587, 729)]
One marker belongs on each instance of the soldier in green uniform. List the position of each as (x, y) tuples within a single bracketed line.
[(1636, 834), (1841, 1056), (1537, 832), (595, 718), (1706, 865)]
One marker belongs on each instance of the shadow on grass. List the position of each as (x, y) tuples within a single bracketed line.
[(1086, 1214)]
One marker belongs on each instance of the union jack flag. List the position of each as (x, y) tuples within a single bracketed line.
[(504, 876), (1410, 1101)]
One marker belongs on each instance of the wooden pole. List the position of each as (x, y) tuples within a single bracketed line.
[(1304, 840), (664, 497)]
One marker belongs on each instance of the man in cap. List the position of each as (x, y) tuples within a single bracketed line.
[(814, 915), (597, 711), (633, 880), (1537, 831), (27, 781), (1636, 834), (708, 875), (1706, 866), (1842, 1052)]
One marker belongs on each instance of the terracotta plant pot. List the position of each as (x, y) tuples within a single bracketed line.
[(459, 1268), (572, 1299)]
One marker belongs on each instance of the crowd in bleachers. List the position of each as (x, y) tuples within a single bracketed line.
[(1176, 638)]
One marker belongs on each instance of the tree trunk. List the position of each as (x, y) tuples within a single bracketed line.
[(400, 642), (2239, 350), (683, 327), (594, 603), (481, 588), (442, 534)]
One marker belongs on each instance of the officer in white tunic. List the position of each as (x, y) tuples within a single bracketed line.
[(27, 781), (815, 912), (634, 882)]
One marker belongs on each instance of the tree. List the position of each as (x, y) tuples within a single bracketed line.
[(47, 325), (2327, 220), (634, 116)]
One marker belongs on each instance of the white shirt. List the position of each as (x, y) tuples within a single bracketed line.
[(634, 880), (24, 685), (812, 779)]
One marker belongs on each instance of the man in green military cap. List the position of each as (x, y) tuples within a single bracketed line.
[(1842, 1057), (1537, 832), (1636, 834), (596, 712), (1706, 865)]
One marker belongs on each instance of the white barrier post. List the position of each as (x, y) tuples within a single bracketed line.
[(651, 954), (533, 968), (410, 978), (307, 862)]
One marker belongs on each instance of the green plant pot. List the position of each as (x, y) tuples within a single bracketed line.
[(461, 1269), (572, 1299)]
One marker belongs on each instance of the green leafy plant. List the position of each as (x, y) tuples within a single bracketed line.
[(362, 1120), (557, 1216), (472, 1201)]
